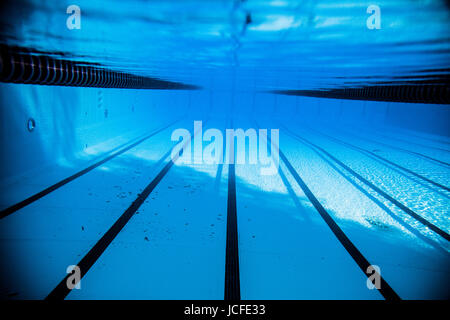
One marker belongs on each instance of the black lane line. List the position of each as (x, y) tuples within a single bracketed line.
[(406, 141), (62, 290), (413, 143), (294, 197), (232, 280), (404, 208), (6, 212), (219, 173), (385, 289), (362, 150), (381, 205), (407, 135), (403, 150)]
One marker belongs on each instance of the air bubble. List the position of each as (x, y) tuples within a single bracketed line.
[(31, 124)]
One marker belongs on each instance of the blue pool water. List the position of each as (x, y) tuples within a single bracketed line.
[(356, 170)]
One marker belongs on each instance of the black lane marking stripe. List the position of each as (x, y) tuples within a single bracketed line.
[(381, 205), (61, 290), (404, 208), (404, 150), (232, 280), (407, 135), (385, 160), (393, 137), (39, 195), (385, 289), (412, 143), (219, 173)]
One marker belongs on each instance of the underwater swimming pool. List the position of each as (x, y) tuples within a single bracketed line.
[(224, 150)]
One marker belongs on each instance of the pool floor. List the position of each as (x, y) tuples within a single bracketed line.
[(387, 195)]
